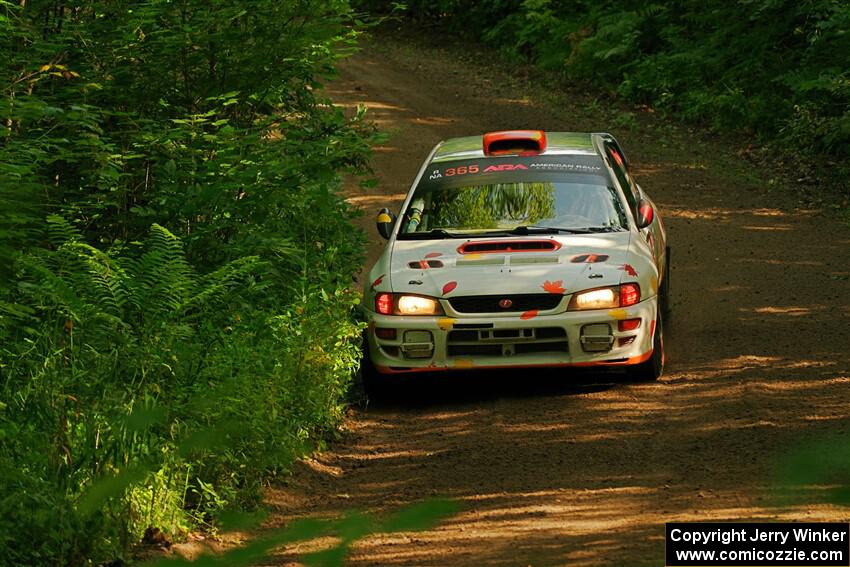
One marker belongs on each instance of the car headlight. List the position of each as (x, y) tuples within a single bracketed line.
[(403, 304), (606, 297), (416, 305)]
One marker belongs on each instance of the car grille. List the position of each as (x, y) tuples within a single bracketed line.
[(507, 342), (490, 303)]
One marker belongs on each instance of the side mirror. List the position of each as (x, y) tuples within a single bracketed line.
[(645, 214), (385, 223)]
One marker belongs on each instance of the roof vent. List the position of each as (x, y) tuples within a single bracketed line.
[(511, 142)]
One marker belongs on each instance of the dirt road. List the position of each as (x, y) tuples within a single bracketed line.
[(561, 469)]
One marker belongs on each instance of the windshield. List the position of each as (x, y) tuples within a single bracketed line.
[(571, 203)]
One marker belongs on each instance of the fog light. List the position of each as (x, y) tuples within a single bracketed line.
[(596, 338), (418, 344)]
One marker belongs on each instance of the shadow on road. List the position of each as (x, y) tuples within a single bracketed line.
[(438, 390)]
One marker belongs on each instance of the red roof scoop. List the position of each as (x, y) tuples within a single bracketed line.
[(515, 142)]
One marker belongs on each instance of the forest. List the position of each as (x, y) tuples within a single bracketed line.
[(178, 302)]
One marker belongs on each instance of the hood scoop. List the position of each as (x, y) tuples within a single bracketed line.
[(502, 246)]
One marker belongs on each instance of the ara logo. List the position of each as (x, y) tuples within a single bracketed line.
[(505, 167)]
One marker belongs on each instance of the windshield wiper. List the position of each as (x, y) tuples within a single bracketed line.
[(602, 229), (547, 230), (433, 234), (563, 230)]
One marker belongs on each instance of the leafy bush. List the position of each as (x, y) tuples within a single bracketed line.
[(175, 262)]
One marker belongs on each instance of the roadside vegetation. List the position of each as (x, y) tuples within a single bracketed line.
[(775, 71), (175, 306)]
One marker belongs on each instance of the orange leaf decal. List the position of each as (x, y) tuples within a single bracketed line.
[(630, 270), (433, 254), (556, 286), (529, 315), (449, 287), (378, 281)]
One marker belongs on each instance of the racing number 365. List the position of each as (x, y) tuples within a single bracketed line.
[(461, 170)]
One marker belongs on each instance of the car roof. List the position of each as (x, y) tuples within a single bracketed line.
[(557, 143)]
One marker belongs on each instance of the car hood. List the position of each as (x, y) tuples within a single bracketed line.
[(526, 264)]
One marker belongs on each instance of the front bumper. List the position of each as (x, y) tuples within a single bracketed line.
[(399, 344)]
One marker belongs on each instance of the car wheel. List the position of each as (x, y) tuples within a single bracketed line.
[(372, 379), (653, 368), (375, 385)]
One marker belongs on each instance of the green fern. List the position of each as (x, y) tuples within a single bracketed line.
[(45, 290), (90, 287), (99, 278), (162, 280), (213, 288), (60, 231)]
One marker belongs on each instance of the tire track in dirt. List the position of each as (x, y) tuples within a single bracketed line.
[(561, 469)]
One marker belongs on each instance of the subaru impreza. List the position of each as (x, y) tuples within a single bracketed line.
[(520, 249)]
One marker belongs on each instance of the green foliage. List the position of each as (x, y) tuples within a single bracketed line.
[(175, 262), (821, 466), (142, 353), (492, 206)]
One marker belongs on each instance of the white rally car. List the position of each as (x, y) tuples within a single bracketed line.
[(520, 249)]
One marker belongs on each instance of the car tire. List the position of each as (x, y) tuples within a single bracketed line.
[(651, 369), (375, 385)]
